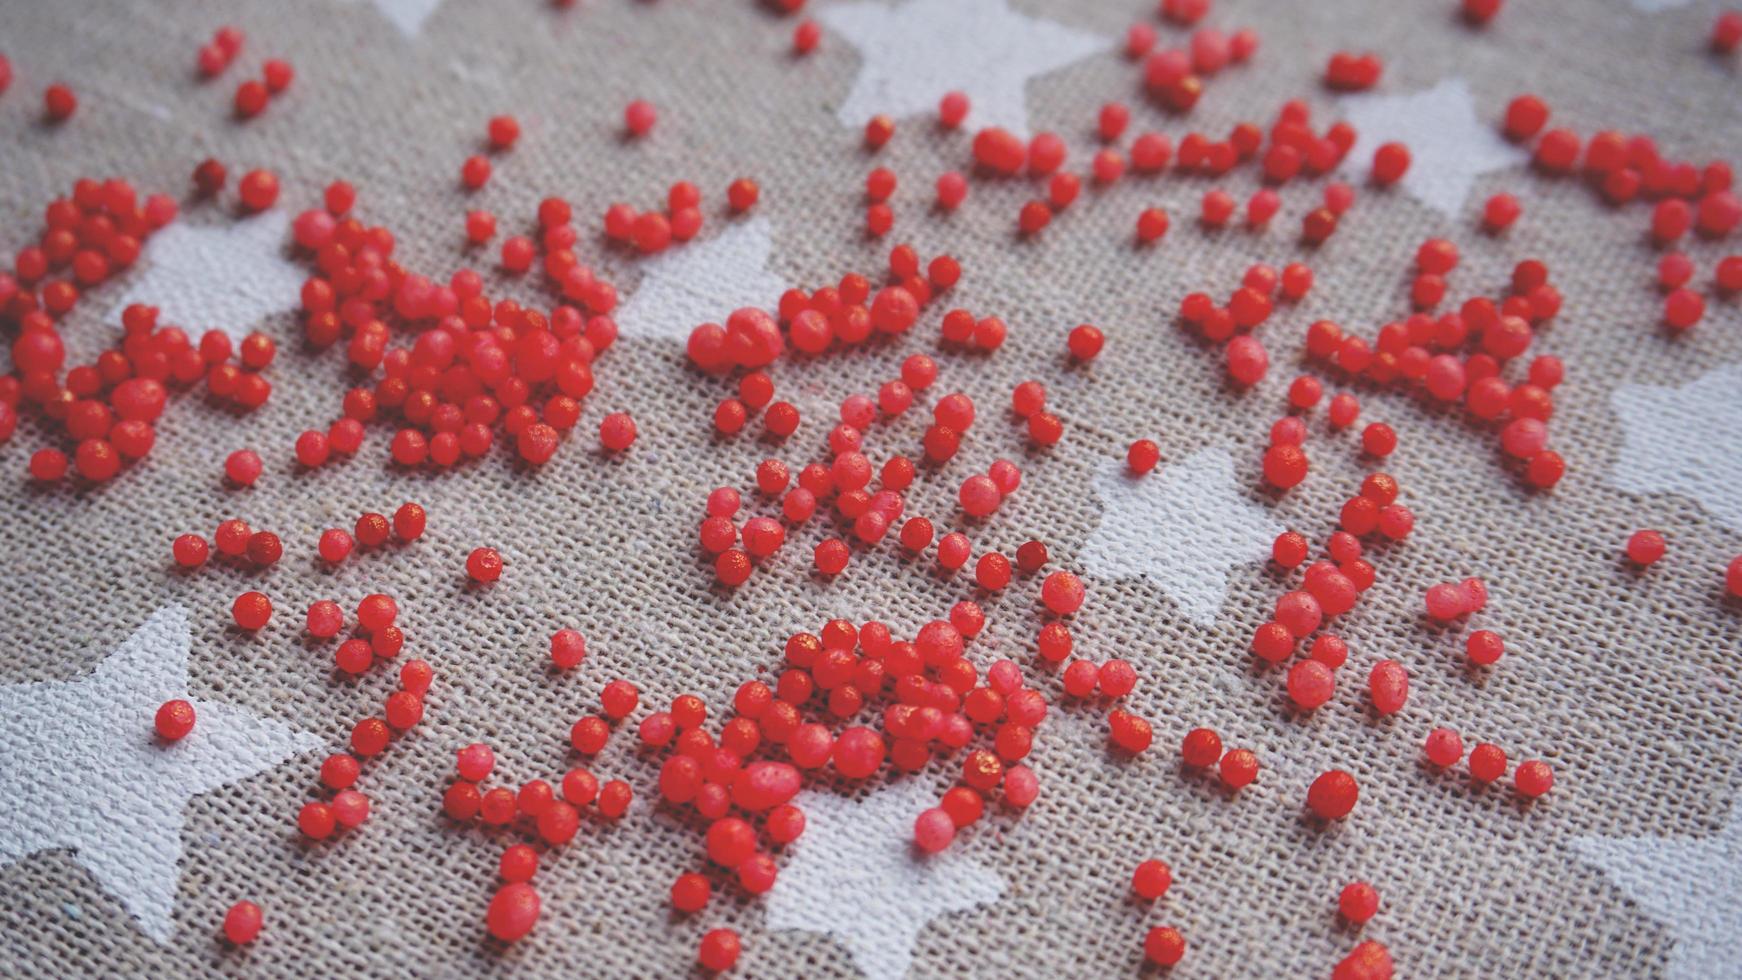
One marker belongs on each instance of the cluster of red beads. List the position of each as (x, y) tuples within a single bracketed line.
[(1174, 77), (751, 341), (233, 539), (1331, 587), (549, 814), (1162, 945), (473, 364), (347, 807), (107, 407), (1460, 356), (1625, 168), (1347, 72), (650, 232), (1244, 356), (216, 55), (1444, 748), (1201, 750), (934, 702), (252, 95)]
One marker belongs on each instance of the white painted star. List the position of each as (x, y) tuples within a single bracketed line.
[(227, 277), (913, 52), (1655, 6), (1685, 440), (1449, 146), (86, 771), (1693, 885), (856, 876), (703, 281), (1182, 526), (407, 15)]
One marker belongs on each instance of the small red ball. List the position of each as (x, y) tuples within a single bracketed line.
[(175, 719), (719, 950), (242, 923), (513, 911), (484, 565), (1358, 902), (251, 610), (1333, 794)]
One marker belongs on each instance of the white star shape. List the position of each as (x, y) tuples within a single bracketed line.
[(226, 277), (1655, 6), (703, 281), (857, 877), (1183, 526), (1693, 885), (1449, 146), (1685, 440), (913, 52), (407, 15), (86, 771)]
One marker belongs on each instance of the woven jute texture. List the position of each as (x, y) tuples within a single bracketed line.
[(1626, 683)]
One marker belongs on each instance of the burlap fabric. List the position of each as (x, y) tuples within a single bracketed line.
[(1626, 683)]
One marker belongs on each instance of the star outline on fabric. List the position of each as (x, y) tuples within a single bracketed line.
[(1450, 146), (1691, 885), (1684, 440), (913, 52), (224, 277), (1184, 526), (115, 794), (703, 281), (857, 877)]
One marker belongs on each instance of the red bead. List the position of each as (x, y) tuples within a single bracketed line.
[(1645, 547), (370, 736), (484, 565), (58, 102), (251, 98), (350, 808), (251, 610), (174, 720), (1310, 684), (878, 130), (1285, 466), (243, 467), (1390, 162), (617, 431), (264, 548), (1444, 747), (1727, 32), (1500, 212), (1238, 768), (1388, 686), (1533, 779), (316, 821), (1151, 879), (719, 950), (1525, 117), (1201, 748), (639, 117), (1085, 341), (1164, 946), (1487, 762), (1333, 794), (1683, 308), (258, 190), (190, 550), (513, 911), (242, 923), (1142, 457), (1358, 902), (933, 830)]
